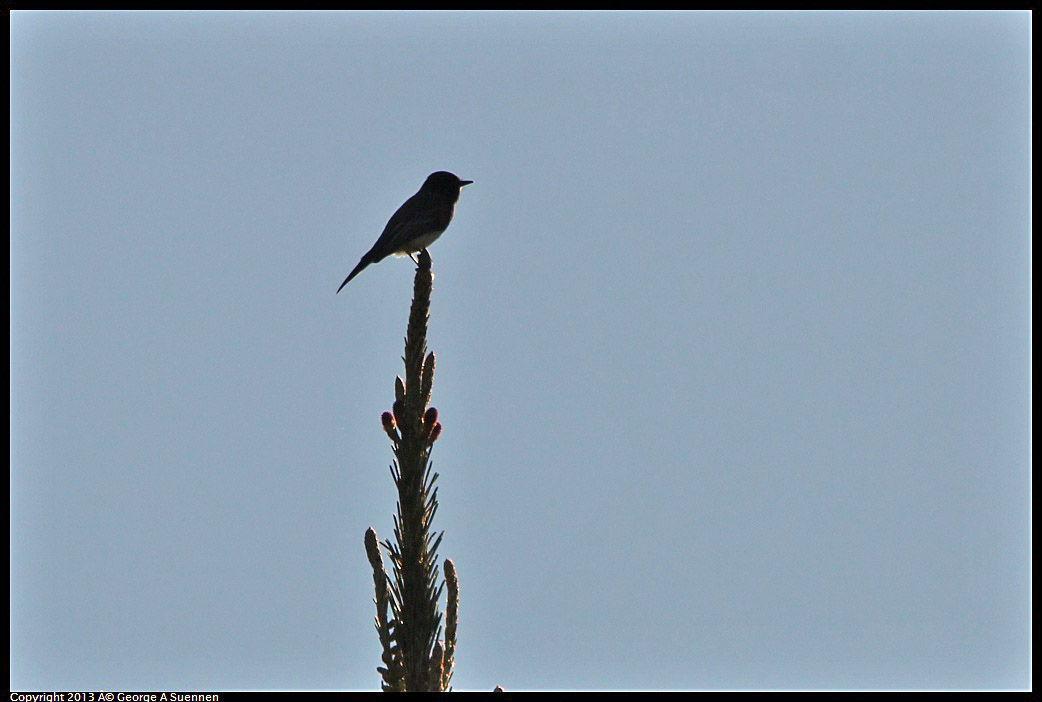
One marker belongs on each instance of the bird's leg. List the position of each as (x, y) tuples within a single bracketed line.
[(414, 259)]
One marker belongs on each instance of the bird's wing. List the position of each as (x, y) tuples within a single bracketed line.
[(414, 218)]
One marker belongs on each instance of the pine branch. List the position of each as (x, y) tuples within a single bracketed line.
[(415, 659)]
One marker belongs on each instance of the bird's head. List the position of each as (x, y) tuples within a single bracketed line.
[(444, 182)]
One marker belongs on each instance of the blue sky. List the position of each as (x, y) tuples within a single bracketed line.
[(733, 338)]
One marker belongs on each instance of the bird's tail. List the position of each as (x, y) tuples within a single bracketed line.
[(358, 269)]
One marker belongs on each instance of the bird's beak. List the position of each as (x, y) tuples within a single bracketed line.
[(465, 182)]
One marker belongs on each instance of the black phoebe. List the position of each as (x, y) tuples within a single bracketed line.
[(417, 223)]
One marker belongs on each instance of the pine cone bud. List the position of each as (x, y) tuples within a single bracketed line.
[(430, 417), (372, 549), (427, 378), (387, 420)]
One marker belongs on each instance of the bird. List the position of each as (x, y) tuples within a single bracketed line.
[(417, 223)]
